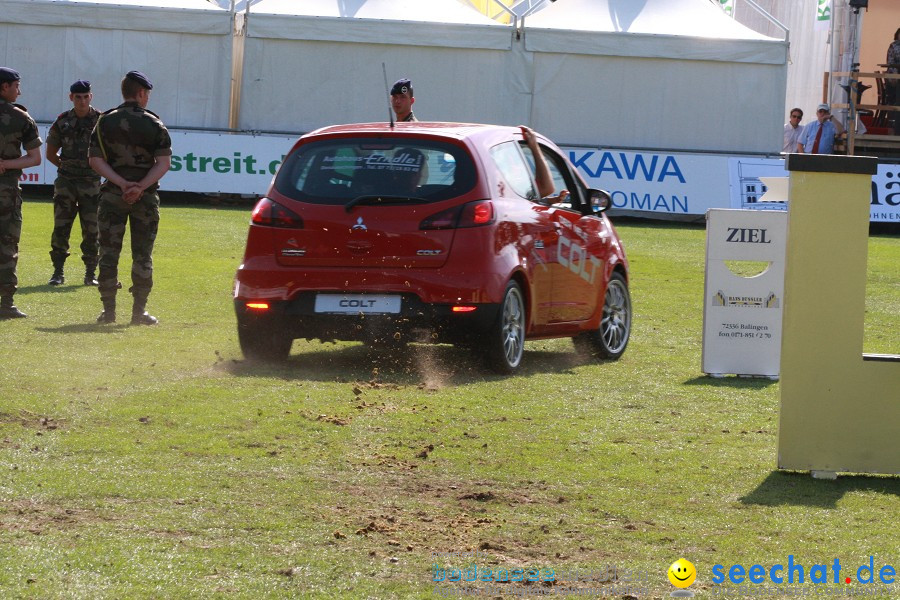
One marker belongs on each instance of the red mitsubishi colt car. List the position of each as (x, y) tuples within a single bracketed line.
[(430, 232)]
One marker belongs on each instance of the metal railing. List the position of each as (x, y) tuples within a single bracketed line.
[(886, 141), (765, 14)]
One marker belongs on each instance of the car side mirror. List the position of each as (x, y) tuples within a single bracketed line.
[(600, 200)]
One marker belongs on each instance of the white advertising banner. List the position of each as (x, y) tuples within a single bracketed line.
[(224, 162), (746, 187), (669, 184), (206, 162), (742, 312), (656, 183)]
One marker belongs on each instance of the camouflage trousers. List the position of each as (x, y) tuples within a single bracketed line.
[(75, 198), (142, 217), (10, 232)]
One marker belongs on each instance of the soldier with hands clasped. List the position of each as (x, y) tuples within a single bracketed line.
[(130, 148)]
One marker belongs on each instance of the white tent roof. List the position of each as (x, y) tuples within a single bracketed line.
[(662, 17), (655, 73), (431, 11), (442, 23), (684, 29)]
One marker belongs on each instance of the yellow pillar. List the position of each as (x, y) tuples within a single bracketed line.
[(840, 410)]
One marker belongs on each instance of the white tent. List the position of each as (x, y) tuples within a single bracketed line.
[(319, 62), (184, 46), (666, 74), (433, 11)]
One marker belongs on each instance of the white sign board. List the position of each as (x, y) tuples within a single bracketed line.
[(742, 315)]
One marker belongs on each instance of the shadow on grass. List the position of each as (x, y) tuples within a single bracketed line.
[(756, 383), (43, 289), (430, 366), (800, 489), (686, 222), (85, 328)]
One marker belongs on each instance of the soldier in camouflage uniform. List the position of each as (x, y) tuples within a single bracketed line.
[(17, 132), (402, 100), (77, 186), (131, 148)]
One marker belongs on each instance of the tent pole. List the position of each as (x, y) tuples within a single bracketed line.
[(826, 93), (239, 30)]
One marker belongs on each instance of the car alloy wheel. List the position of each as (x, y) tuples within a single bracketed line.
[(611, 339), (615, 328), (507, 337)]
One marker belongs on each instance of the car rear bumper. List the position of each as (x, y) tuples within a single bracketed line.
[(438, 322), (458, 282)]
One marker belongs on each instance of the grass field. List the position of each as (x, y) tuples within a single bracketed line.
[(156, 463)]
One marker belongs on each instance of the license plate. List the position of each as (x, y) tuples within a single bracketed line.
[(353, 304)]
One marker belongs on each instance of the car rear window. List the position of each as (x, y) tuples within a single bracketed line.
[(336, 171)]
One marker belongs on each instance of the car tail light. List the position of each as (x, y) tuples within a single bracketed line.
[(463, 309), (271, 214), (473, 214), (446, 219), (257, 305)]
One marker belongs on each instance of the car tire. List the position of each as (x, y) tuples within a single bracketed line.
[(611, 338), (264, 341), (506, 337)]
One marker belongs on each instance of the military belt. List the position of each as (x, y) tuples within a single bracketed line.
[(77, 169)]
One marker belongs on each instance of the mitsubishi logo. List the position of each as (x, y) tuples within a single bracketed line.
[(360, 225)]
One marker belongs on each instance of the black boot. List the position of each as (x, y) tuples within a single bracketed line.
[(109, 312), (139, 316), (8, 310), (57, 278), (89, 278)]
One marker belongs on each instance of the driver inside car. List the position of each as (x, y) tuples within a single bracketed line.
[(409, 173)]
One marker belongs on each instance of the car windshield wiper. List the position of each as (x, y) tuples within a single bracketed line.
[(381, 199)]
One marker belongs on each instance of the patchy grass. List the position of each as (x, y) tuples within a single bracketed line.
[(156, 462)]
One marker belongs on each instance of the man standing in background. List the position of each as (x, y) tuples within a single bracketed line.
[(402, 100), (792, 131), (818, 137), (18, 132), (132, 149), (77, 186)]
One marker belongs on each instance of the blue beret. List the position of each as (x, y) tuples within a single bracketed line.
[(140, 78), (82, 86), (8, 75), (401, 87)]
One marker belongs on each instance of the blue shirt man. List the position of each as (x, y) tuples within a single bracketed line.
[(829, 127)]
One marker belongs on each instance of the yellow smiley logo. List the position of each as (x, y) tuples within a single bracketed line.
[(682, 573)]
